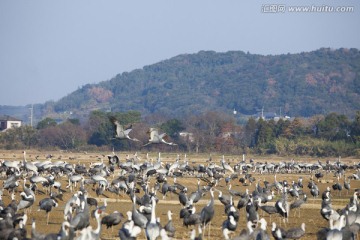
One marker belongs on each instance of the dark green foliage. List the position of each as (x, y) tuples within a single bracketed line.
[(334, 127), (102, 132), (249, 133), (172, 128), (355, 129), (47, 122), (74, 121)]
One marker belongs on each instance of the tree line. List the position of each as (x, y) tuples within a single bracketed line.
[(321, 135)]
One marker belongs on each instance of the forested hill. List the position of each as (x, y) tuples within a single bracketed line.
[(301, 84)]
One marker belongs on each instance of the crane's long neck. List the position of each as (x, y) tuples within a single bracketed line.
[(220, 194), (98, 229), (169, 216), (153, 217), (263, 225), (212, 198), (249, 227), (129, 215), (134, 202)]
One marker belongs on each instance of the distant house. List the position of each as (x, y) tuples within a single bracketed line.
[(7, 122), (270, 116), (187, 135)]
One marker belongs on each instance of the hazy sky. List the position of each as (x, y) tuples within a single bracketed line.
[(50, 48)]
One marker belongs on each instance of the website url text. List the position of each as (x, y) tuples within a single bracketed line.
[(282, 8)]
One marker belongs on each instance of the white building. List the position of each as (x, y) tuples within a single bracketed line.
[(187, 135), (7, 122)]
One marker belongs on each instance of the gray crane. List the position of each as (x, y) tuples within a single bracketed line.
[(251, 213), (282, 206), (277, 232), (243, 200), (26, 201), (28, 166), (65, 233), (112, 219), (337, 186), (129, 231), (35, 179), (195, 196), (169, 227), (47, 205), (347, 185), (297, 204), (224, 199), (183, 198), (73, 202), (89, 232), (261, 232), (229, 225), (34, 233), (82, 218), (138, 218), (11, 184), (207, 213), (295, 233), (226, 166), (268, 209), (73, 180), (189, 215), (19, 233), (193, 234)]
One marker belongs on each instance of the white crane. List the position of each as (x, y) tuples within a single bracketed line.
[(120, 131), (28, 165), (73, 180), (98, 178), (129, 230), (152, 228), (73, 202), (89, 232), (12, 164), (155, 137), (226, 166)]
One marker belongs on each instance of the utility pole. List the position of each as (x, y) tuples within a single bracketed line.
[(31, 114)]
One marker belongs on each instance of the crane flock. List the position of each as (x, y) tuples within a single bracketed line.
[(249, 191)]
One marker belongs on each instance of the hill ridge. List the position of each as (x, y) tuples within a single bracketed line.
[(302, 84)]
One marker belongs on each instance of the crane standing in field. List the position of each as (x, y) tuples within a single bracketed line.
[(207, 213)]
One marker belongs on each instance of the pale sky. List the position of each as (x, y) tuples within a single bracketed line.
[(50, 48)]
